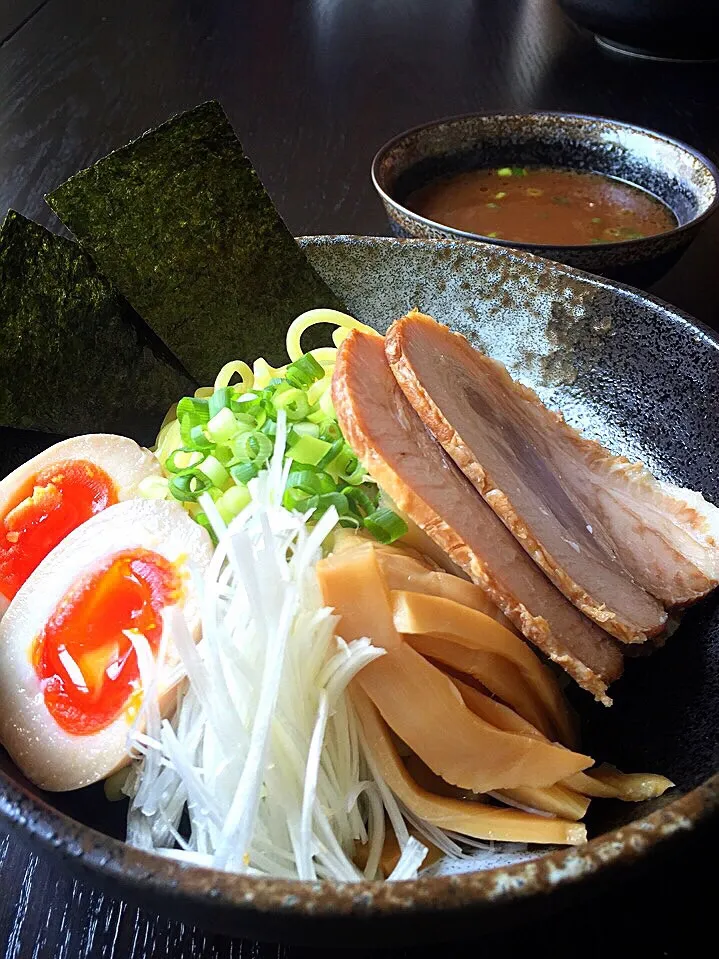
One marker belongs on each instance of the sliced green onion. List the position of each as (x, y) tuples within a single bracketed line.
[(252, 446), (250, 416), (330, 431), (350, 522), (352, 472), (245, 421), (232, 502), (304, 429), (332, 453), (295, 498), (220, 400), (311, 482), (242, 473), (191, 405), (504, 171), (359, 499), (223, 426), (304, 371), (224, 454), (191, 412), (199, 440), (324, 501), (385, 525), (187, 487), (519, 171), (310, 450), (213, 469), (294, 403), (192, 458), (269, 428), (202, 519)]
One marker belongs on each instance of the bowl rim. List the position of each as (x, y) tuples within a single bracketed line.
[(141, 873), (568, 248)]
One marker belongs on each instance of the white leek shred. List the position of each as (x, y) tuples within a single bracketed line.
[(259, 769), (263, 768)]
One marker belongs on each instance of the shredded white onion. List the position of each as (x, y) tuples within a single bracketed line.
[(263, 769), (262, 757)]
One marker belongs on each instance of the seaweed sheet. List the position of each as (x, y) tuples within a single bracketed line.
[(182, 225), (74, 355)]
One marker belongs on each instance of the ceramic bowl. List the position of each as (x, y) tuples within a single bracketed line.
[(607, 356), (686, 181), (665, 29)]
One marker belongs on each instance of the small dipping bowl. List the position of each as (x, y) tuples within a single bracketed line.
[(681, 177)]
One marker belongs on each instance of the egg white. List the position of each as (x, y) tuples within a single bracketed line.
[(48, 755)]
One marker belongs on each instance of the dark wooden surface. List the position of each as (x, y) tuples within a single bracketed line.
[(313, 88)]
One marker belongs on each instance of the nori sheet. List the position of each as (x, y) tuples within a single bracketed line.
[(74, 355), (182, 225)]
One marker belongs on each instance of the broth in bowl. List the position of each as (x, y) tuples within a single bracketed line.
[(543, 205)]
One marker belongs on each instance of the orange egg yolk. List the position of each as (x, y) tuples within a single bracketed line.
[(86, 665), (51, 505)]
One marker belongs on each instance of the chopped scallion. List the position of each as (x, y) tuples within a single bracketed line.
[(252, 446), (310, 450), (213, 469), (223, 426), (220, 400), (232, 502), (180, 460), (188, 486), (294, 403), (242, 473), (304, 371), (385, 525)]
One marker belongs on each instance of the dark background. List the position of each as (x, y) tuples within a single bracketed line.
[(313, 88)]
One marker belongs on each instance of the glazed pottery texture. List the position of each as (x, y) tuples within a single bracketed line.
[(630, 371)]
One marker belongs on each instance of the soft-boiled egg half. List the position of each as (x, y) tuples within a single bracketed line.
[(70, 677), (51, 495)]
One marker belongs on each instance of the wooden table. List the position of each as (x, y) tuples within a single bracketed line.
[(313, 88)]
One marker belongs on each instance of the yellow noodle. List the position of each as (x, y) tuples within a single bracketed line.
[(312, 318), (235, 368)]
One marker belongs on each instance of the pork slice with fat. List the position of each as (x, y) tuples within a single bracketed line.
[(575, 509), (400, 454)]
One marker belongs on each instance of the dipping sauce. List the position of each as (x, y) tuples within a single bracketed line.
[(543, 205)]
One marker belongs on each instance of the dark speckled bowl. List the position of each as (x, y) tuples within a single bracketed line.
[(640, 377), (686, 181)]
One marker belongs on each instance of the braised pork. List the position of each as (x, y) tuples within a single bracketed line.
[(586, 518), (397, 450)]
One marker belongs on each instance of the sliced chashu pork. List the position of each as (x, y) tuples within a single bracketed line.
[(569, 503), (396, 449)]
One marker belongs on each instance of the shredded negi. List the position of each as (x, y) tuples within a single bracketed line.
[(263, 754)]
